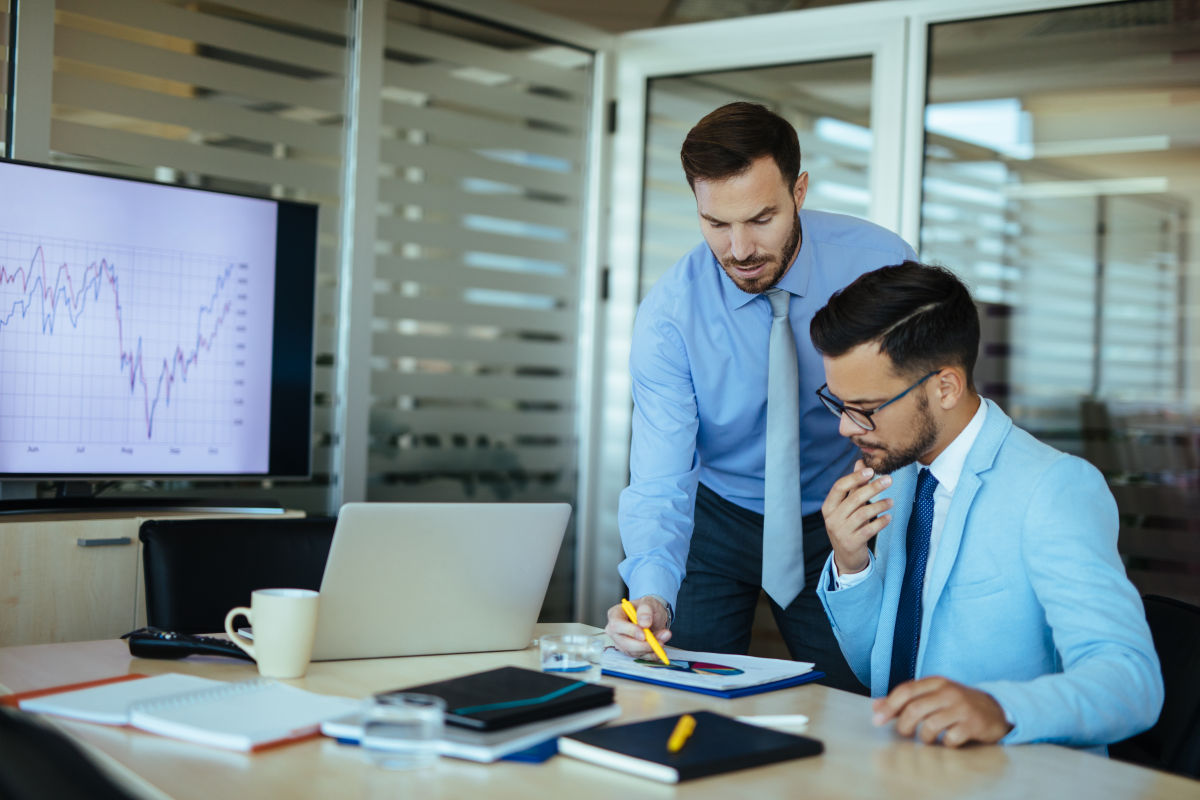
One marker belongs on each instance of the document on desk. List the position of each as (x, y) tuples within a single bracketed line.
[(718, 674), (246, 715)]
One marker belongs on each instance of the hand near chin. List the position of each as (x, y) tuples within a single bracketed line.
[(852, 518), (937, 709)]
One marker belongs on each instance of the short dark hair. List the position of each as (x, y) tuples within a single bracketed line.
[(922, 316), (729, 139)]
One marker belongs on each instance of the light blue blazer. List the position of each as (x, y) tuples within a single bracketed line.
[(1027, 598)]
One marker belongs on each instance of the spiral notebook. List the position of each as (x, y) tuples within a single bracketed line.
[(247, 715)]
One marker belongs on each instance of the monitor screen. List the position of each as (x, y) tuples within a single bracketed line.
[(152, 330)]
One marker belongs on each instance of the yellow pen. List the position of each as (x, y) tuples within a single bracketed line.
[(679, 736), (631, 612)]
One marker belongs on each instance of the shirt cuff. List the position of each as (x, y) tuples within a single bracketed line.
[(854, 578)]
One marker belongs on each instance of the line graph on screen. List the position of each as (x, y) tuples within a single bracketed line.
[(118, 345)]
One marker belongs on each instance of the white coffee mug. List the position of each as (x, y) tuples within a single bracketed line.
[(284, 622)]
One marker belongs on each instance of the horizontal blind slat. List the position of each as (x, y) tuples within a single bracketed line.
[(93, 48), (132, 148), (473, 459), (207, 29), (471, 130), (499, 352), (323, 16), (457, 238), (456, 312), (475, 422), (421, 384), (454, 165), (438, 196), (451, 274), (195, 113), (445, 47), (508, 101)]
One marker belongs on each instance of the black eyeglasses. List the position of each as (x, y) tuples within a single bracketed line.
[(861, 416)]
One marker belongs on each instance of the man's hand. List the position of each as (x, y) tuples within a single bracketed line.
[(629, 638), (938, 709), (851, 519)]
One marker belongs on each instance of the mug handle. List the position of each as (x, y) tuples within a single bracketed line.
[(235, 637)]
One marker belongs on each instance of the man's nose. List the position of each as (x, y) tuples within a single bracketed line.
[(741, 244), (848, 427)]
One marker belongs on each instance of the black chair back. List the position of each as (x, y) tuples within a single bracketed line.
[(1173, 744), (198, 569)]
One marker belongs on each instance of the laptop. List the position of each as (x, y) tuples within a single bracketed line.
[(406, 579)]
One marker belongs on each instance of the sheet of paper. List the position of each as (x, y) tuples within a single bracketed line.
[(719, 671)]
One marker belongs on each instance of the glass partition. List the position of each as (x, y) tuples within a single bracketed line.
[(1061, 180)]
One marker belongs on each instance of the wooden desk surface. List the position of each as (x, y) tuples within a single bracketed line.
[(860, 761)]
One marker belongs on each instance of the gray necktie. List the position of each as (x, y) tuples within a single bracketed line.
[(783, 530)]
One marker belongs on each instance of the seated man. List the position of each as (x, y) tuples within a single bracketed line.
[(994, 607)]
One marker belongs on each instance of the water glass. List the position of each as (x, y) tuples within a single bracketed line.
[(574, 655), (403, 730)]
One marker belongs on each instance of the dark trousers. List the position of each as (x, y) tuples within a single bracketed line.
[(715, 609)]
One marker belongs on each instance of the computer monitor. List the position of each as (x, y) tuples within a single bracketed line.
[(151, 330)]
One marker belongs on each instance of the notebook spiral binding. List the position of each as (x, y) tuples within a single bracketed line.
[(203, 695)]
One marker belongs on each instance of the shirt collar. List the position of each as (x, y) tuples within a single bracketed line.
[(794, 281), (948, 466)]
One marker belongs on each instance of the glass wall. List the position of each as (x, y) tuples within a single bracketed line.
[(1061, 180), (475, 328)]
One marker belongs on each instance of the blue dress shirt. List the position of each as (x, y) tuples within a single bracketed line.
[(699, 368)]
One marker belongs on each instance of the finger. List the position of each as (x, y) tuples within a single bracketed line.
[(920, 708), (936, 725), (664, 636), (888, 707), (869, 511), (645, 615), (843, 486)]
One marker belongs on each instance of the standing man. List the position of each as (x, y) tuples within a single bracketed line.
[(725, 485), (995, 607)]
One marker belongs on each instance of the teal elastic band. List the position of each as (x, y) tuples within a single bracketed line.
[(529, 701)]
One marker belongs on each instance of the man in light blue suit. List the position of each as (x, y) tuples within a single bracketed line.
[(994, 607)]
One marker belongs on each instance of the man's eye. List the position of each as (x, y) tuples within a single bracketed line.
[(761, 220)]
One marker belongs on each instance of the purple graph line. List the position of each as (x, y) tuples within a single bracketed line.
[(37, 289)]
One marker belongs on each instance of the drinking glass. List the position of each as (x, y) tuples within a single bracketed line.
[(403, 730), (575, 655)]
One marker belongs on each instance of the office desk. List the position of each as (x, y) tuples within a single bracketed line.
[(859, 761)]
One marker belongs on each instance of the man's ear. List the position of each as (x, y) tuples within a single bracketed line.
[(800, 189), (950, 387)]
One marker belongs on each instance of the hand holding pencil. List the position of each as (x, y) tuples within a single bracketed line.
[(634, 638)]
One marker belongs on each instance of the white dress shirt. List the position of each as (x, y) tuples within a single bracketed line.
[(947, 468)]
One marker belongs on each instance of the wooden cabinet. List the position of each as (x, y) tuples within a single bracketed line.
[(67, 577)]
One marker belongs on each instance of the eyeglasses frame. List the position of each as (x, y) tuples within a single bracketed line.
[(838, 408)]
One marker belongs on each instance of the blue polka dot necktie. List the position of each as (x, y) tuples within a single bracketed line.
[(908, 614)]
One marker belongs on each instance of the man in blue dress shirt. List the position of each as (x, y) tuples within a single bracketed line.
[(691, 518)]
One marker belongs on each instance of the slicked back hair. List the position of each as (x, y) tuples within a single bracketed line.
[(729, 139), (922, 317)]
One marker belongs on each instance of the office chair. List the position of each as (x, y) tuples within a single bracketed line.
[(1173, 744), (37, 761), (198, 569)]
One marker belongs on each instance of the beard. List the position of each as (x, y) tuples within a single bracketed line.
[(771, 275), (891, 459)]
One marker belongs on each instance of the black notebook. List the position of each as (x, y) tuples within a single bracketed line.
[(717, 744), (507, 696)]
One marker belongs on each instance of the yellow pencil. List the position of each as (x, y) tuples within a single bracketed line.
[(631, 612), (679, 736)]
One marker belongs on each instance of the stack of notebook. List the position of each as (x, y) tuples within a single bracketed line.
[(504, 711)]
